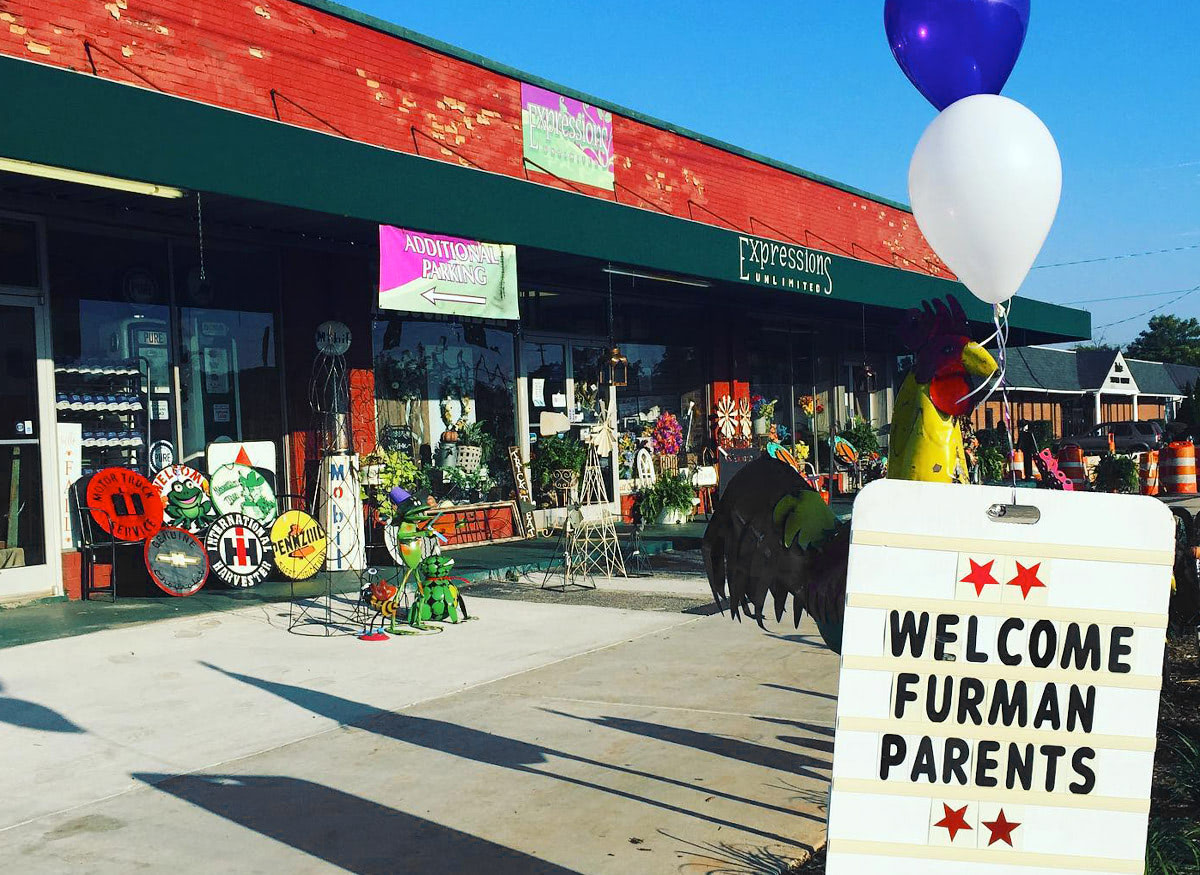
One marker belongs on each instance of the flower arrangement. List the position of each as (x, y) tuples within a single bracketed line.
[(800, 452), (761, 408), (809, 405), (667, 435), (627, 447)]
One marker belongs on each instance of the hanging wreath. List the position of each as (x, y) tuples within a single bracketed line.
[(455, 391), (727, 418)]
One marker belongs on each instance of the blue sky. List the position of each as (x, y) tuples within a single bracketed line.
[(812, 82)]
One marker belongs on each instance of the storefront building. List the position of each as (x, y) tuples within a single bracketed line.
[(186, 194)]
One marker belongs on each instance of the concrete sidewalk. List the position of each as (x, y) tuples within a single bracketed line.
[(542, 737)]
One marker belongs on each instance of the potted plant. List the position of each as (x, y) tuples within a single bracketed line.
[(557, 459), (669, 501), (384, 469), (763, 413)]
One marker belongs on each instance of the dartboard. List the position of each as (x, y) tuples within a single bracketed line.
[(239, 550)]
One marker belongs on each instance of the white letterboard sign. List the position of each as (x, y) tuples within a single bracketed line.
[(999, 683)]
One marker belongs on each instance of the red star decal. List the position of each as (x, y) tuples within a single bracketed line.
[(955, 820), (981, 575), (1027, 579), (1001, 829)]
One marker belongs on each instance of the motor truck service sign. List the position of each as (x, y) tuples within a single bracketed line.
[(432, 273), (999, 685), (566, 137)]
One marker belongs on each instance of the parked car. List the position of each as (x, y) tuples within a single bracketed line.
[(1129, 437)]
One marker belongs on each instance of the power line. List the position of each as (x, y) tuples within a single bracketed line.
[(1125, 297), (1151, 310), (1118, 257)]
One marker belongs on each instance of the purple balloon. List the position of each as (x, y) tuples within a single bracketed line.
[(951, 49), (399, 495)]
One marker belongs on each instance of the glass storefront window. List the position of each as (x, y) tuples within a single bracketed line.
[(111, 332), (663, 379), (434, 380), (18, 254)]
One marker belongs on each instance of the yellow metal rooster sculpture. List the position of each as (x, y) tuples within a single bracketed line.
[(772, 533)]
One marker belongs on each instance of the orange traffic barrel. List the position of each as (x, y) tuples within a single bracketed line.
[(1016, 464), (1070, 462), (1148, 473), (1177, 468)]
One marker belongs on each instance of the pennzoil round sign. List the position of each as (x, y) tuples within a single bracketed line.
[(177, 561), (239, 550), (125, 504), (299, 544)]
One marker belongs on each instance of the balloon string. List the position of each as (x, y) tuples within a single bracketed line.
[(1000, 318), (988, 383)]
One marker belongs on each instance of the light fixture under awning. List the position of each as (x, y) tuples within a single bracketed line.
[(47, 171)]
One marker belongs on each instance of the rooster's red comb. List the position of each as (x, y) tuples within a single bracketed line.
[(942, 318)]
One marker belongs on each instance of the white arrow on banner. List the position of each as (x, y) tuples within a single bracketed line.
[(452, 298)]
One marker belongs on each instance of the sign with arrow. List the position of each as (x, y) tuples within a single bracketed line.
[(432, 273)]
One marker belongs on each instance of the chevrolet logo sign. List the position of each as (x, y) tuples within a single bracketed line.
[(178, 558)]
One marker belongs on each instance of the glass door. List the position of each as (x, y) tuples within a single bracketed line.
[(560, 375), (26, 528)]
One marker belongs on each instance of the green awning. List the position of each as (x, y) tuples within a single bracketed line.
[(90, 124)]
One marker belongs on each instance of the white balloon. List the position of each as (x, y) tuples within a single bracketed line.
[(984, 184)]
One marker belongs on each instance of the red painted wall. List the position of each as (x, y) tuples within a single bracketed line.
[(334, 75)]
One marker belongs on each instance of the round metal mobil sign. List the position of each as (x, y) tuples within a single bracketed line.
[(299, 544), (239, 550), (242, 489), (177, 561), (125, 504), (185, 495), (333, 338)]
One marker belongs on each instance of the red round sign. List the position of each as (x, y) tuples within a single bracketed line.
[(125, 504)]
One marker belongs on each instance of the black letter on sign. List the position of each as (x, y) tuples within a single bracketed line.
[(1081, 710), (973, 653), (1019, 767), (1009, 626), (1084, 651), (1116, 650), (1051, 752), (1047, 710), (954, 757), (971, 693), (1043, 641), (903, 694), (935, 714), (1087, 776), (944, 635), (908, 629), (1009, 709), (923, 763), (985, 761), (892, 753)]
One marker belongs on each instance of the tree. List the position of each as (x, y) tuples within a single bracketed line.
[(1168, 339), (1094, 347)]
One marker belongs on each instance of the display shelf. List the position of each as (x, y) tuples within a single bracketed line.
[(107, 401)]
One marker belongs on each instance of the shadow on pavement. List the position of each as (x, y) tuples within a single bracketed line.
[(723, 858), (497, 750), (830, 696), (350, 832), (734, 748), (30, 715)]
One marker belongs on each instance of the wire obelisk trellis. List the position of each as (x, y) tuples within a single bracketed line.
[(589, 543)]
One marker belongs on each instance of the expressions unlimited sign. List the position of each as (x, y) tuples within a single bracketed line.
[(784, 266)]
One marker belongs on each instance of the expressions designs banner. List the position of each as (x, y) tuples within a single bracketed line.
[(433, 273), (567, 137)]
